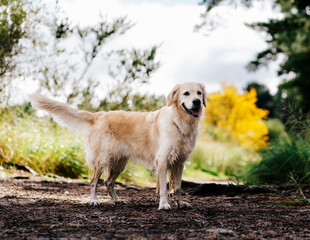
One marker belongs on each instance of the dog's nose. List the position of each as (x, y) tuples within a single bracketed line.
[(197, 102)]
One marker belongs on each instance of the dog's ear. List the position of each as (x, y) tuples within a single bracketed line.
[(204, 96), (173, 95)]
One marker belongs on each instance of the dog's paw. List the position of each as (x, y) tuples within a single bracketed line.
[(94, 203), (119, 200), (183, 204), (164, 206)]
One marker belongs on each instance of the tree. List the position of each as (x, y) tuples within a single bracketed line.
[(134, 68), (288, 36), (210, 22), (264, 98), (65, 70), (13, 15), (60, 57), (238, 116), (72, 77)]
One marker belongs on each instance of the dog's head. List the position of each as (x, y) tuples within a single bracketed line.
[(188, 96)]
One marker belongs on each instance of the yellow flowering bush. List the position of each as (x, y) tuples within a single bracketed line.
[(238, 116)]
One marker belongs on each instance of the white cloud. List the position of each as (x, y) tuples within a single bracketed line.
[(184, 54)]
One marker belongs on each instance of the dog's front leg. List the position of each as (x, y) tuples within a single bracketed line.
[(178, 170), (162, 185)]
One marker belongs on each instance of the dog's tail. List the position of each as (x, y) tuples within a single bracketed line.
[(76, 120)]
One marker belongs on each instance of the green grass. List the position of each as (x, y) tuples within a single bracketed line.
[(281, 159), (276, 129), (138, 174), (40, 144), (218, 159), (287, 156)]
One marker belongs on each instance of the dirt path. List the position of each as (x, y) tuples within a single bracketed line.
[(58, 209)]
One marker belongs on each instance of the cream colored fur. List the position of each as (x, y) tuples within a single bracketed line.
[(164, 138)]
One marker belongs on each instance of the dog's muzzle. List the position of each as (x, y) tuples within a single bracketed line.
[(195, 110)]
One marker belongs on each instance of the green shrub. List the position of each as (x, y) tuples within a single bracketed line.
[(280, 160), (40, 144), (276, 129), (287, 157)]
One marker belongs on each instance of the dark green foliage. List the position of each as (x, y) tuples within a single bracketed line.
[(287, 157), (276, 129), (289, 36), (264, 98)]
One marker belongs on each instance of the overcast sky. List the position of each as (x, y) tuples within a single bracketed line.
[(185, 55)]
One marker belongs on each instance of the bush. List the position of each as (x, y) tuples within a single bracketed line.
[(238, 116), (282, 159), (276, 129), (287, 157)]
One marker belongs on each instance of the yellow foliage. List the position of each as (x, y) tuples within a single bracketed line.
[(238, 116)]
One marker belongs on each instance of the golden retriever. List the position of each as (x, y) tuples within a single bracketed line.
[(164, 138)]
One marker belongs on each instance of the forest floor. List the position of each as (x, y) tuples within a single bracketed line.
[(35, 208)]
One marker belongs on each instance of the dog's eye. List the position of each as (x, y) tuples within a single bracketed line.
[(199, 93), (186, 94)]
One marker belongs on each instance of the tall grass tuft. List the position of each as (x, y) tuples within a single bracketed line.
[(282, 159), (276, 129), (286, 157), (218, 157), (40, 144)]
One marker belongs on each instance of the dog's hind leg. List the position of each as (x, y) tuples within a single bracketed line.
[(93, 196), (114, 172)]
